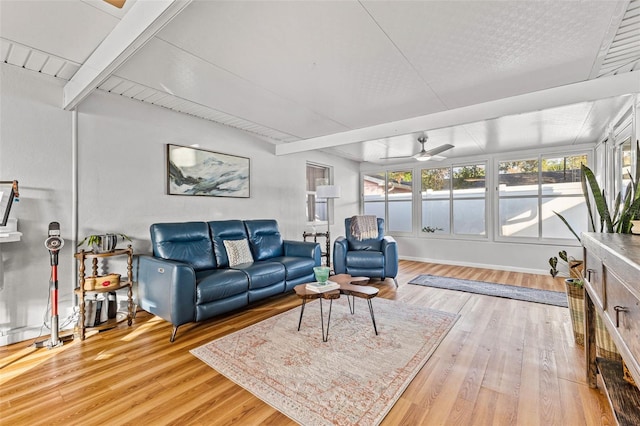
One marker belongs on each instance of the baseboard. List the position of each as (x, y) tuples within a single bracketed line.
[(478, 265)]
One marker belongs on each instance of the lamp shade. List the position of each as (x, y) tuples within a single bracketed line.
[(328, 191)]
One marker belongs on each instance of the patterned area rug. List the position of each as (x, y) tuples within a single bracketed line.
[(354, 378), (547, 297)]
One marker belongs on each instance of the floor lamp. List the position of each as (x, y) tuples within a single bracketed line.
[(328, 192)]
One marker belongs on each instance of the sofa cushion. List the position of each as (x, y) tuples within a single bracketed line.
[(219, 284), (295, 267), (222, 230), (187, 242), (365, 259), (265, 239), (238, 252), (263, 273)]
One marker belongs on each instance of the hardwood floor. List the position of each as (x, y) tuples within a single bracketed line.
[(505, 362)]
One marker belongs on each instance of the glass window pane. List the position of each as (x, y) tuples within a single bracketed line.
[(376, 209), (469, 179), (373, 191), (400, 199), (519, 177), (321, 210), (314, 173), (435, 216), (373, 186), (311, 207), (518, 217), (436, 183), (573, 209), (316, 208), (400, 216), (626, 165), (469, 217), (561, 175)]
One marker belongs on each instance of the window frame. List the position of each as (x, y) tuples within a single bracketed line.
[(539, 154), (386, 197), (451, 235), (329, 176)]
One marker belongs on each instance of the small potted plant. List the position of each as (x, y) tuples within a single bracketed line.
[(103, 243), (574, 265)]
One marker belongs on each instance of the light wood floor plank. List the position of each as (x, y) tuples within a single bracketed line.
[(504, 362)]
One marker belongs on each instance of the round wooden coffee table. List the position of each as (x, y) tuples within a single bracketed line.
[(348, 288)]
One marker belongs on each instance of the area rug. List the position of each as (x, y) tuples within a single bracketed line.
[(354, 378), (547, 297)]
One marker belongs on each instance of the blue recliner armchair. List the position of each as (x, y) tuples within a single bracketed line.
[(374, 258)]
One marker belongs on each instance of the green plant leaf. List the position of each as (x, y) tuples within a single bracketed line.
[(568, 226), (585, 192), (563, 255), (599, 199)]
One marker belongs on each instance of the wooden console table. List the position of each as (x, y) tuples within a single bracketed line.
[(612, 265)]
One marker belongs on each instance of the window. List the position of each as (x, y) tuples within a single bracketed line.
[(400, 201), (374, 194), (316, 208), (530, 190), (624, 158), (436, 200), (389, 195), (454, 199)]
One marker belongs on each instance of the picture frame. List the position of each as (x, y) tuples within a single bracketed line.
[(199, 172)]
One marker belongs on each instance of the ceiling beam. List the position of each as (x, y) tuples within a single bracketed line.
[(139, 25), (586, 91)]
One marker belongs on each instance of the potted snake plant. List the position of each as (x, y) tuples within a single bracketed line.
[(618, 219)]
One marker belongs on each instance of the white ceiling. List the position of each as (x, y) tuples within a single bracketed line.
[(325, 74)]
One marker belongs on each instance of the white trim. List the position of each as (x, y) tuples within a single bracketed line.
[(476, 265), (137, 27)]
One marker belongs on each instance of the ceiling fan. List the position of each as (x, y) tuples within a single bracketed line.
[(425, 155)]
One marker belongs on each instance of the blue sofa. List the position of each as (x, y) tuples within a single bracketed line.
[(189, 277), (374, 257)]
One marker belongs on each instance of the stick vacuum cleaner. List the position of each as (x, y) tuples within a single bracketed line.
[(54, 243)]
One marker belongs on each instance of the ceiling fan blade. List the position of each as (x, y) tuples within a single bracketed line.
[(393, 158), (116, 3), (439, 149)]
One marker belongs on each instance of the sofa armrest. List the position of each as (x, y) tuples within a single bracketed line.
[(167, 288), (390, 252), (303, 249), (340, 247)]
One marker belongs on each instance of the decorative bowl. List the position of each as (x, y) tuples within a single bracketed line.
[(321, 273)]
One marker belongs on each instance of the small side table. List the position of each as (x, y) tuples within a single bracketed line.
[(304, 294), (349, 287), (326, 235)]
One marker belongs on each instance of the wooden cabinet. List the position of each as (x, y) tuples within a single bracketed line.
[(126, 281), (612, 265)]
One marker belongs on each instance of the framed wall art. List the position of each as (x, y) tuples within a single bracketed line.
[(195, 171)]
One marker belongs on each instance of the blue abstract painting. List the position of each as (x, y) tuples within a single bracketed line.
[(194, 171)]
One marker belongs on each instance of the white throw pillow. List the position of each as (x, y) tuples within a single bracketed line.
[(238, 252)]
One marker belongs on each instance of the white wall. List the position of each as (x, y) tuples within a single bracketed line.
[(529, 258), (121, 183), (35, 150)]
